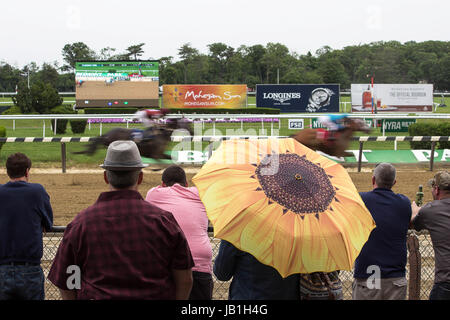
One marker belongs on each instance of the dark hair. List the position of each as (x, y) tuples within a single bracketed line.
[(122, 179), (174, 174), (17, 165)]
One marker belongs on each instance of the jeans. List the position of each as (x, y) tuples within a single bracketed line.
[(203, 285), (21, 282), (440, 291)]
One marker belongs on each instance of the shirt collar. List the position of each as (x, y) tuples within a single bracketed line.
[(119, 194), (382, 189), (15, 182)]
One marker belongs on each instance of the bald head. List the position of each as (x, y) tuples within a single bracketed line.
[(384, 175)]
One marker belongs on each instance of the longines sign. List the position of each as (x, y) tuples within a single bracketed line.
[(298, 97)]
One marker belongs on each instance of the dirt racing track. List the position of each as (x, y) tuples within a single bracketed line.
[(77, 189)]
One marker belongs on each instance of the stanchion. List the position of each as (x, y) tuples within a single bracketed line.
[(433, 146), (63, 157), (414, 259), (210, 150), (360, 155)]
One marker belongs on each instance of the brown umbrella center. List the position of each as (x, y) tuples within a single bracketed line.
[(298, 185)]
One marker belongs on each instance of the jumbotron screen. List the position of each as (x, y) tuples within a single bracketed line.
[(117, 84)]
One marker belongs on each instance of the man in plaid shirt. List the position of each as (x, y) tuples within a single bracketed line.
[(122, 247)]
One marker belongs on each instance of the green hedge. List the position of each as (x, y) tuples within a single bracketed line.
[(2, 134), (186, 110), (12, 110), (429, 129), (444, 130), (4, 108), (78, 125), (110, 110), (61, 124)]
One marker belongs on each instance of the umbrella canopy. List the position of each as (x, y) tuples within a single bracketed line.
[(285, 204)]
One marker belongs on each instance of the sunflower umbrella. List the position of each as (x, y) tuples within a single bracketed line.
[(285, 204)]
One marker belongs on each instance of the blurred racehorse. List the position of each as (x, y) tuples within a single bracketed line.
[(332, 143), (152, 143)]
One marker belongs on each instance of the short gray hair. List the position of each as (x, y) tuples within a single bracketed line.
[(385, 175), (122, 179)]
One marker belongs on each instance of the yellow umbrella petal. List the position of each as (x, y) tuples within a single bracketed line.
[(285, 252), (314, 247), (233, 208), (233, 232), (259, 231)]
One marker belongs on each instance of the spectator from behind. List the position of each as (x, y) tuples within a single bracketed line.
[(122, 247), (380, 268), (252, 280), (25, 211), (435, 217), (184, 203), (321, 286)]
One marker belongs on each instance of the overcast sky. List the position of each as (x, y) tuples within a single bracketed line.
[(38, 30)]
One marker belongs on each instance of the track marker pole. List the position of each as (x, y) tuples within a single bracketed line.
[(63, 157), (433, 147), (360, 155)]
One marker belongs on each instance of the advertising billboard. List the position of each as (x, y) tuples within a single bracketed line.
[(117, 84), (392, 97), (205, 96), (397, 125), (298, 97)]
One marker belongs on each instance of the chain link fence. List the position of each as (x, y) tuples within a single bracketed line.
[(424, 270)]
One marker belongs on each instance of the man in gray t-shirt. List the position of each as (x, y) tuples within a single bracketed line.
[(435, 217)]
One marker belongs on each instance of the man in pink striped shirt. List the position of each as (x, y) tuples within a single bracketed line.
[(184, 203)]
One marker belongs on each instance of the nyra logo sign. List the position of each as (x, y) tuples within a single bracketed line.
[(397, 125)]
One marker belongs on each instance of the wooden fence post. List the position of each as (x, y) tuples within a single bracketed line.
[(414, 260), (360, 155), (433, 147), (63, 156)]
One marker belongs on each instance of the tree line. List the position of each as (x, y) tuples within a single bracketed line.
[(387, 62)]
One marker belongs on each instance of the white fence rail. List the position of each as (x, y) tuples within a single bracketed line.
[(212, 139), (250, 93), (128, 118), (418, 115)]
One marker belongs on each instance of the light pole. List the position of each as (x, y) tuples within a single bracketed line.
[(28, 77)]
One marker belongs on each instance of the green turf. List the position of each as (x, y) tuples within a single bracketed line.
[(51, 152)]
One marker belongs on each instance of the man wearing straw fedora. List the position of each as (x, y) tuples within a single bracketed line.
[(122, 247)]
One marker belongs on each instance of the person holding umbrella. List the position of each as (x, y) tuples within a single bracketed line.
[(281, 210), (252, 280)]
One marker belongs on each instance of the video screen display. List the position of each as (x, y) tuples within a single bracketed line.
[(117, 84)]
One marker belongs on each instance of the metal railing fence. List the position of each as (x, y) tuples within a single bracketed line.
[(424, 270)]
